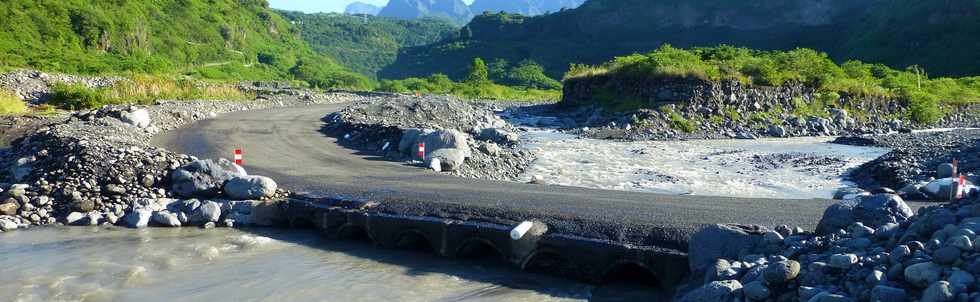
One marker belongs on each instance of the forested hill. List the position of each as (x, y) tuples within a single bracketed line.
[(216, 39), (938, 35), (366, 44)]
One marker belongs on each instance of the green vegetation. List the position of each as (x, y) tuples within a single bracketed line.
[(226, 40), (476, 86), (366, 44), (938, 35), (809, 67), (11, 104), (680, 123), (141, 90)]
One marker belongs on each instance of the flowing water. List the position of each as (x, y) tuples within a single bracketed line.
[(189, 264), (798, 168)]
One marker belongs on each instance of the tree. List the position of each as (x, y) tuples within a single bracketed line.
[(478, 72)]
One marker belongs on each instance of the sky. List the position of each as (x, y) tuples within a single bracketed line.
[(317, 6)]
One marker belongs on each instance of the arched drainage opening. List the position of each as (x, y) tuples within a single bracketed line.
[(479, 250), (549, 262), (630, 274), (629, 282), (352, 232), (414, 241)]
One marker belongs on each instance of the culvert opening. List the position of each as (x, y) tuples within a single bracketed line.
[(631, 274), (414, 241), (479, 250), (548, 262), (353, 233)]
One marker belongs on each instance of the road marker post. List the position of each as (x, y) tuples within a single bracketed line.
[(238, 157), (961, 187), (422, 151)]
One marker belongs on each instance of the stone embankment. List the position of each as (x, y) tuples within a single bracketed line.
[(462, 138), (36, 87), (693, 108), (97, 167), (868, 248)]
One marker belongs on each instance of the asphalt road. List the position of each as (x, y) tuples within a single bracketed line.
[(287, 144)]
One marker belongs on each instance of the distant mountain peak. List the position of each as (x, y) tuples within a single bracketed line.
[(524, 7), (454, 10), (361, 8)]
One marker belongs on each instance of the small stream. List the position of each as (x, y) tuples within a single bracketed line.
[(189, 264)]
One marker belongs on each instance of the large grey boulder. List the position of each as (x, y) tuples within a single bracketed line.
[(717, 291), (138, 218), (203, 178), (210, 211), (872, 211), (139, 118), (250, 187), (166, 218), (942, 189), (22, 168), (923, 274), (449, 159), (720, 242)]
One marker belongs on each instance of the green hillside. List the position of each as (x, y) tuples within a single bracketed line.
[(937, 35), (366, 44), (209, 39)]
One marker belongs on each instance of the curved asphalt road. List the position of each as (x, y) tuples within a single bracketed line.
[(286, 144)]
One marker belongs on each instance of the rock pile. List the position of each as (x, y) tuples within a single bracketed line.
[(916, 160), (98, 166), (868, 249), (35, 87), (462, 138)]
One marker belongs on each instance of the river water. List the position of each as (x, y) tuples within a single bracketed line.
[(796, 168), (189, 264)]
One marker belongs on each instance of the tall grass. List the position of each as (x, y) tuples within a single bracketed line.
[(142, 90), (11, 104)]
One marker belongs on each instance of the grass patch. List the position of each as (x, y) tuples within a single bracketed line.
[(142, 90), (11, 104), (678, 121)]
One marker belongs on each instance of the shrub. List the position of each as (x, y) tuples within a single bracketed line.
[(76, 97)]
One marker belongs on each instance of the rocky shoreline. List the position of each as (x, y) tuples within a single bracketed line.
[(97, 167)]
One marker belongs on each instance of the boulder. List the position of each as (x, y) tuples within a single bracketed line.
[(250, 187), (720, 242), (777, 131), (872, 211), (410, 139), (166, 218), (940, 291), (203, 178), (923, 274), (942, 189), (7, 225), (139, 118), (717, 291), (210, 211), (491, 149), (74, 218), (884, 293), (9, 207), (781, 272), (449, 159), (445, 139), (138, 218), (945, 171)]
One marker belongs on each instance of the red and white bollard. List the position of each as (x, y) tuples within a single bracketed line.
[(422, 151), (238, 157), (961, 188)]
